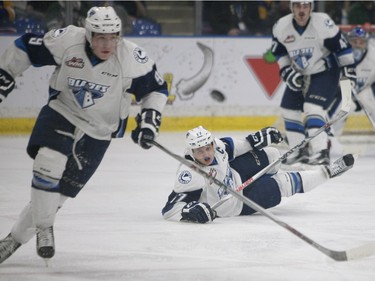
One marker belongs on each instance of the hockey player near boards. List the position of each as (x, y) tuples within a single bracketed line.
[(312, 55), (233, 161), (364, 55), (89, 101)]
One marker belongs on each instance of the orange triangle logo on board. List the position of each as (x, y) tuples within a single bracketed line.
[(267, 74)]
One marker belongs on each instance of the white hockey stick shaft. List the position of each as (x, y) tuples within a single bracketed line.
[(344, 110), (355, 253)]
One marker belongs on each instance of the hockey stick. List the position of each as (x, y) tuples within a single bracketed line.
[(355, 253), (346, 92)]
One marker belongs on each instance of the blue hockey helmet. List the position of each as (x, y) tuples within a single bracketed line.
[(358, 38)]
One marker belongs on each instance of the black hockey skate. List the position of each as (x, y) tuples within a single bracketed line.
[(340, 166), (7, 247), (45, 243)]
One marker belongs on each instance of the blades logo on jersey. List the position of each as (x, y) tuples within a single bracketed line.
[(228, 181), (301, 57), (86, 92)]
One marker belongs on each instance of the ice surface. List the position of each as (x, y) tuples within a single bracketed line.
[(114, 229)]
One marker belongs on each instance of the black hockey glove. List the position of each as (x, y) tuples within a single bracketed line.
[(350, 73), (264, 138), (6, 84), (292, 78), (198, 212), (148, 123)]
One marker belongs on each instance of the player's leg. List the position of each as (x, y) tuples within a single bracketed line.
[(291, 109), (265, 192), (48, 146), (269, 189), (51, 144), (87, 153), (22, 231), (24, 228), (321, 94), (316, 118), (291, 183), (48, 169), (250, 163)]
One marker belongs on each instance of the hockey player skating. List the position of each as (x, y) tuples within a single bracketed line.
[(311, 53), (233, 161), (89, 101)]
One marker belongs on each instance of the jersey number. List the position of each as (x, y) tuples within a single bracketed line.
[(36, 41), (343, 42)]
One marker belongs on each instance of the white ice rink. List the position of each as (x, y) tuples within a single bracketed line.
[(114, 229)]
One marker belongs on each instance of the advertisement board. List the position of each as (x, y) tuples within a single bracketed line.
[(207, 77)]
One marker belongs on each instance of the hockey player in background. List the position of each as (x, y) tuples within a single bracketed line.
[(89, 101), (312, 54), (233, 161), (364, 56)]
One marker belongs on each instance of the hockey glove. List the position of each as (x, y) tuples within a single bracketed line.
[(292, 78), (350, 73), (6, 84), (198, 212), (148, 123), (264, 138)]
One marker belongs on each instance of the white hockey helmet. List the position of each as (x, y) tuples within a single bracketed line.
[(102, 20), (198, 137), (302, 2)]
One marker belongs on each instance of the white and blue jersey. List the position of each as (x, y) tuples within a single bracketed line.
[(92, 94), (365, 68), (309, 50), (191, 186)]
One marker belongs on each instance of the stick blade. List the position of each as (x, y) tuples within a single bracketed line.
[(346, 94), (363, 251)]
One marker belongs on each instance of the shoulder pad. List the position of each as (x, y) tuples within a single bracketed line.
[(58, 40), (134, 59)]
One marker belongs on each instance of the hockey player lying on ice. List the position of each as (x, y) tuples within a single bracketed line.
[(233, 161)]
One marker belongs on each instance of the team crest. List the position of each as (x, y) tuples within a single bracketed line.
[(58, 32), (140, 55), (329, 23), (185, 177), (86, 92), (301, 57)]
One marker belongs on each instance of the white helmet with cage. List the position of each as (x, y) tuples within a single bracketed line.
[(302, 2), (102, 20), (198, 137)]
